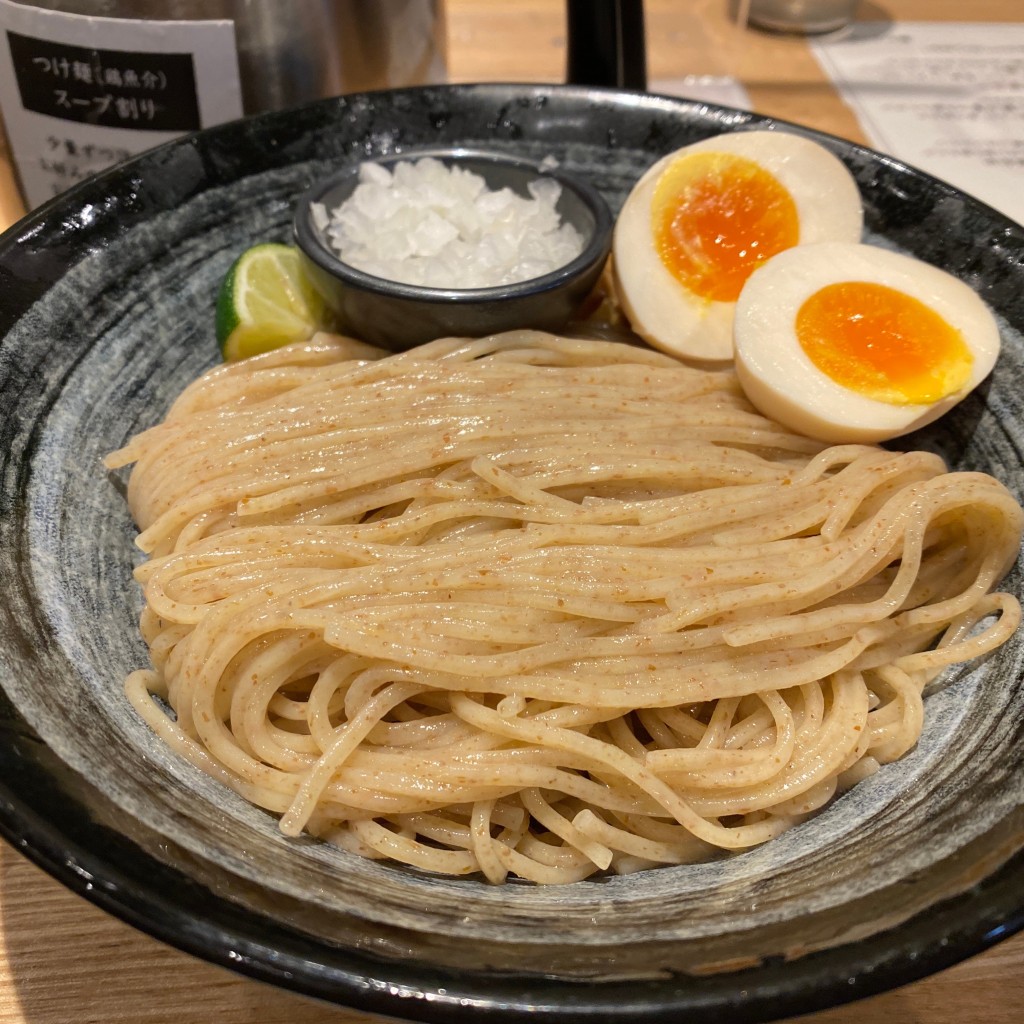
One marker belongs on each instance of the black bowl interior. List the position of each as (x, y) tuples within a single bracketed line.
[(109, 296)]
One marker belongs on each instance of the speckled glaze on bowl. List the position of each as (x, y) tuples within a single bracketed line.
[(108, 313), (397, 316)]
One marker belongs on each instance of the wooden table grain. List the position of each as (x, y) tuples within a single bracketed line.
[(62, 960)]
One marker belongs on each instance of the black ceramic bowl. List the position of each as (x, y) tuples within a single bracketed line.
[(398, 316), (108, 312)]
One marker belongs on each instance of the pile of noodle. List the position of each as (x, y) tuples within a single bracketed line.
[(545, 607)]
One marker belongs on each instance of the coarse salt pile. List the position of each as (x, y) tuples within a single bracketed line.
[(429, 224)]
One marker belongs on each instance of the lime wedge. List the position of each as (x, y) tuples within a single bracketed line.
[(265, 302)]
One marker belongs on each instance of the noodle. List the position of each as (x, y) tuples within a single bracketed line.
[(542, 606)]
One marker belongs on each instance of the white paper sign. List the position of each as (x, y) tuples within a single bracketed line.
[(81, 93), (947, 98)]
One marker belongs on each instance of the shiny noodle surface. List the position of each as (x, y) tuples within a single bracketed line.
[(538, 606)]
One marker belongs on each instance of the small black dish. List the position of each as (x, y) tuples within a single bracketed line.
[(398, 316)]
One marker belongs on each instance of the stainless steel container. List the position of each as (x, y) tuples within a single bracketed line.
[(295, 50), (807, 17), (64, 73)]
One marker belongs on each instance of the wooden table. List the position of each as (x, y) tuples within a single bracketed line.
[(62, 960)]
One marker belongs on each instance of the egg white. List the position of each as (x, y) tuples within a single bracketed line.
[(784, 384), (665, 312)]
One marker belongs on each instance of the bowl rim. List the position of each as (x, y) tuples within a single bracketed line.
[(81, 851), (313, 247), (113, 872)]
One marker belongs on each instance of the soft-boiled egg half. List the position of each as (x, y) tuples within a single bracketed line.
[(703, 218), (855, 343)]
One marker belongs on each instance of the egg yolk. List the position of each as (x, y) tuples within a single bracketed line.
[(883, 343), (716, 217)]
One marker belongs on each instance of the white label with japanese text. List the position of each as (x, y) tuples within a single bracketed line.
[(81, 93)]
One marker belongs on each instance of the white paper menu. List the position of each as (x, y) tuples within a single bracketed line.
[(947, 98)]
